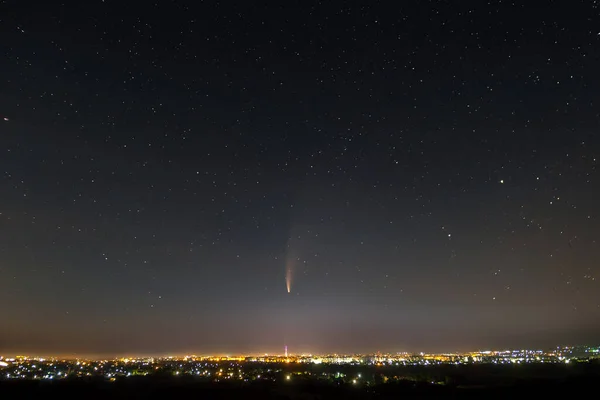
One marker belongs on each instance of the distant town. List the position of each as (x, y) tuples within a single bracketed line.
[(285, 367)]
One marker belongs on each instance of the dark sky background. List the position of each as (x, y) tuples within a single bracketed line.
[(427, 169)]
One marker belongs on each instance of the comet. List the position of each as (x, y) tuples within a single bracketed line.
[(288, 278)]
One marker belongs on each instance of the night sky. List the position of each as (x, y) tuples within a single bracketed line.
[(424, 172)]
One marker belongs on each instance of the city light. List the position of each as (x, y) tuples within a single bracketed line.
[(274, 368)]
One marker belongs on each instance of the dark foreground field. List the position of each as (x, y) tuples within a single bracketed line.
[(152, 388)]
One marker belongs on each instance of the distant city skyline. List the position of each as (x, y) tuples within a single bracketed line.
[(288, 354)]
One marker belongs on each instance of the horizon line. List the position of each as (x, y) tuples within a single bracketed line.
[(91, 356)]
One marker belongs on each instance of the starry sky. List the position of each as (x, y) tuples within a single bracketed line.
[(423, 173)]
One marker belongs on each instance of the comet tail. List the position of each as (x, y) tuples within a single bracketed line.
[(288, 278)]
